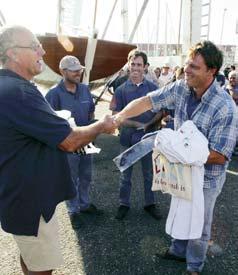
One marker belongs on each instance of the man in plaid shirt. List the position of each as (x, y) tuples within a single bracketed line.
[(200, 99)]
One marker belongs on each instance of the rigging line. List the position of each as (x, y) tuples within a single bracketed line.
[(138, 20), (95, 14), (109, 19), (2, 19)]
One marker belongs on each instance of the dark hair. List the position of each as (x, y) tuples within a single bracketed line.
[(221, 79), (136, 53), (213, 57), (226, 71)]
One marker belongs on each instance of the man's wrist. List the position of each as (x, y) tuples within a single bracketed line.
[(119, 119)]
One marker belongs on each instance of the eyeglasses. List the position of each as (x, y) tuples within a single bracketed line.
[(35, 47), (76, 71)]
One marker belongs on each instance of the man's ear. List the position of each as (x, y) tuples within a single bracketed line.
[(62, 72), (213, 71), (11, 54)]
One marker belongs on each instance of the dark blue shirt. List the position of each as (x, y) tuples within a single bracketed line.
[(193, 102), (80, 103), (34, 173), (126, 93)]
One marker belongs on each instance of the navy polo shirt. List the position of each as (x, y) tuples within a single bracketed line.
[(34, 173), (80, 103), (126, 93)]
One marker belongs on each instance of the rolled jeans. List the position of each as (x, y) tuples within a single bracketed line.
[(195, 250), (81, 174), (125, 181)]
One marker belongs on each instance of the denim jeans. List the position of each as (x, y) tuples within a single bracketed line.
[(195, 250), (125, 181), (81, 173)]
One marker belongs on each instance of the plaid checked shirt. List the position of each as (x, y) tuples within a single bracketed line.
[(215, 116)]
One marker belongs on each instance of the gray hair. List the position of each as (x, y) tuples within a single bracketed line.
[(8, 40)]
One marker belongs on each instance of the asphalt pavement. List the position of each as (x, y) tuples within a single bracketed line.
[(128, 247)]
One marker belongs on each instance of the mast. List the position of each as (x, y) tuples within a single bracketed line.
[(124, 14), (166, 30), (95, 14), (191, 23), (157, 29), (59, 16), (2, 19), (222, 26), (205, 19), (179, 27), (109, 19), (138, 21), (91, 49)]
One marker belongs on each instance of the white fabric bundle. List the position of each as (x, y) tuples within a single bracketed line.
[(188, 146)]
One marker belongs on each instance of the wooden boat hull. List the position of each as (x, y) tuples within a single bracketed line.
[(109, 56)]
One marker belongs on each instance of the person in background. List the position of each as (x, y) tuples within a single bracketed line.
[(226, 71), (221, 79), (75, 97), (121, 77), (118, 82), (35, 175), (200, 99), (157, 72), (132, 130), (150, 75), (179, 74), (232, 87), (166, 76)]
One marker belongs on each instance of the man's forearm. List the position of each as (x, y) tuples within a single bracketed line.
[(132, 123), (81, 136), (134, 108)]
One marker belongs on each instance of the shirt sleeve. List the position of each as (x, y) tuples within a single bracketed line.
[(222, 135), (31, 115), (164, 97), (118, 102)]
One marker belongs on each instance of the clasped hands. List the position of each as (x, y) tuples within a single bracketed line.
[(111, 123)]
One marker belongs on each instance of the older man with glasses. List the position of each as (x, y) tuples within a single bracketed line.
[(34, 172)]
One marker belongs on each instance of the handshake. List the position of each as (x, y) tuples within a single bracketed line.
[(110, 123)]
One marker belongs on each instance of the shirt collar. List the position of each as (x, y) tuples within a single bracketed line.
[(62, 86), (211, 91), (6, 72), (10, 73), (139, 84)]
